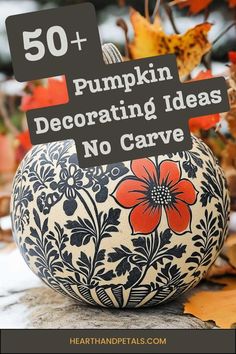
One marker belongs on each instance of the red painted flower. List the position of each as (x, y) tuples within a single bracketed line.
[(154, 190)]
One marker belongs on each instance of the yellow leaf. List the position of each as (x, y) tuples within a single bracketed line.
[(218, 306), (151, 40)]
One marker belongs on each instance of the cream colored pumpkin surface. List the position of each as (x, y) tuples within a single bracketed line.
[(131, 234)]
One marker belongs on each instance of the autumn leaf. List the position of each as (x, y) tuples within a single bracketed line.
[(204, 122), (54, 93), (232, 3), (218, 306), (151, 40), (195, 6), (24, 139)]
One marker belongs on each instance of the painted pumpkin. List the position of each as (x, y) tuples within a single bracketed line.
[(130, 234)]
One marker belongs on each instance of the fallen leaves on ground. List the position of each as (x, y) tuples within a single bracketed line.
[(151, 40), (218, 306)]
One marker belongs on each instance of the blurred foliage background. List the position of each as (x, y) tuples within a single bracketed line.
[(108, 11)]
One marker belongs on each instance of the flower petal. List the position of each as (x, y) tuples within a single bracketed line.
[(130, 192), (169, 172), (144, 219), (178, 217), (144, 169), (185, 191)]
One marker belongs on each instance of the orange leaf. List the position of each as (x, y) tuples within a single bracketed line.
[(232, 3), (195, 6), (218, 306), (24, 139), (204, 122), (43, 96), (150, 40)]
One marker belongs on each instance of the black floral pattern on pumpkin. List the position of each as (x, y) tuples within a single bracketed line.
[(69, 186), (211, 230), (22, 197), (98, 178), (51, 252), (192, 160), (148, 252)]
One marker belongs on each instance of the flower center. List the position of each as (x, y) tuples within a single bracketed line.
[(161, 195), (70, 181)]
